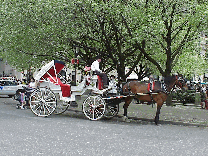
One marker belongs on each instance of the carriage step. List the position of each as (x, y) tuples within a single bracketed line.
[(73, 104)]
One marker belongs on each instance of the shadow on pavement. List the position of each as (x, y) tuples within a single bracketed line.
[(133, 120)]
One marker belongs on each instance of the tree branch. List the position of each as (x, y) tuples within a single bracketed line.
[(158, 41), (177, 51), (148, 57), (135, 63), (126, 25), (172, 13), (163, 17), (180, 28)]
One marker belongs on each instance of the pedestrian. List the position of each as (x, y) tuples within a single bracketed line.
[(97, 71), (22, 99), (32, 83), (203, 88)]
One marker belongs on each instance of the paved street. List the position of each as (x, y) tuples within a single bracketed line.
[(22, 134)]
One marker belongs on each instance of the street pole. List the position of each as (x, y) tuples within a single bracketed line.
[(75, 65)]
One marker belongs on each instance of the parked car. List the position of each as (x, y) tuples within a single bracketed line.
[(9, 87), (132, 77)]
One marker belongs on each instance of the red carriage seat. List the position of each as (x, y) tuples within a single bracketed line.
[(64, 87), (100, 84)]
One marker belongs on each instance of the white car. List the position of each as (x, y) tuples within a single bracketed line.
[(132, 77), (9, 87)]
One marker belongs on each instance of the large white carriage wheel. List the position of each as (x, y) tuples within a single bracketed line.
[(94, 107), (43, 102)]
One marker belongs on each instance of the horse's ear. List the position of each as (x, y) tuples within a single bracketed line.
[(180, 75), (175, 75)]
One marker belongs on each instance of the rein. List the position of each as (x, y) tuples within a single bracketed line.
[(164, 88)]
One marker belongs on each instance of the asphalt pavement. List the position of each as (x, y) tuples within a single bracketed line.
[(22, 133), (189, 115)]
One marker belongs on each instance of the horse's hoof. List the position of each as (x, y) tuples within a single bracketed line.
[(157, 123), (125, 119), (156, 120)]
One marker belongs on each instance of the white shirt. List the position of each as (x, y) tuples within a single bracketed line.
[(32, 85), (95, 66)]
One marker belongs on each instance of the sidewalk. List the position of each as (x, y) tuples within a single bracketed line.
[(145, 114)]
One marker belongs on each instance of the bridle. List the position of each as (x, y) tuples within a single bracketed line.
[(180, 82)]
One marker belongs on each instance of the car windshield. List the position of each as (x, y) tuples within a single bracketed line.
[(8, 83)]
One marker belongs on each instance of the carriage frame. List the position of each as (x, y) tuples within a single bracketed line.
[(52, 96)]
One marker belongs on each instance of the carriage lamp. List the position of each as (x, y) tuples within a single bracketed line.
[(75, 61)]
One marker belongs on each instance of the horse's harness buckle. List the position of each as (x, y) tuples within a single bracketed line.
[(164, 88)]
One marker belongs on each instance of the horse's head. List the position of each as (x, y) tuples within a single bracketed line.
[(175, 80), (180, 82)]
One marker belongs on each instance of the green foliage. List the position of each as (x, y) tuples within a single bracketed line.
[(159, 34), (34, 31), (170, 29)]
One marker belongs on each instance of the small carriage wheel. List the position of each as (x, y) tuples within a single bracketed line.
[(17, 95), (111, 111), (94, 107), (62, 106), (203, 105), (43, 102)]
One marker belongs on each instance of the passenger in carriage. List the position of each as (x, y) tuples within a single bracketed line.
[(95, 68), (32, 83), (25, 94)]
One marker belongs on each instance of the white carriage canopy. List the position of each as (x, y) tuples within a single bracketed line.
[(49, 72)]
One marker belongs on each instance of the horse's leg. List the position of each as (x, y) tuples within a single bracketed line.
[(159, 105), (125, 107)]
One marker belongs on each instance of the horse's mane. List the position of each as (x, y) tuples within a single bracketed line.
[(169, 79)]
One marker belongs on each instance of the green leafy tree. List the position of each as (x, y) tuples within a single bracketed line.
[(102, 29), (125, 33), (169, 28), (34, 31)]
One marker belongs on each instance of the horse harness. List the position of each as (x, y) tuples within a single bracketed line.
[(163, 89)]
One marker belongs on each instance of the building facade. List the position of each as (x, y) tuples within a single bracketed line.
[(6, 70)]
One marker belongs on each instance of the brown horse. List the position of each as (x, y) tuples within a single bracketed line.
[(140, 90)]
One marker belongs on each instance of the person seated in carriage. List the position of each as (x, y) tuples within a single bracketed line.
[(97, 71), (27, 92), (32, 84)]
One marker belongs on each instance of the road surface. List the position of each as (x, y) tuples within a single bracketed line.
[(23, 134)]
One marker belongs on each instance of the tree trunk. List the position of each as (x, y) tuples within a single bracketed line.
[(169, 100)]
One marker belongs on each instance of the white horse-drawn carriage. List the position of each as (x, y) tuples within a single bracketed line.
[(55, 96)]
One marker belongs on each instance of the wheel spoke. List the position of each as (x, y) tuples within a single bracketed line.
[(47, 105), (98, 112), (46, 108), (37, 108), (111, 111)]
